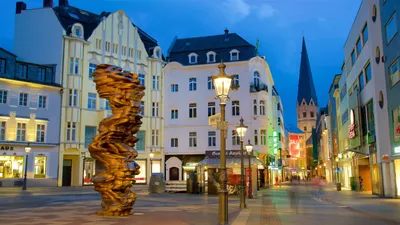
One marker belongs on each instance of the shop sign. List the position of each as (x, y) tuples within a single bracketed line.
[(385, 157), (352, 126), (294, 145), (229, 153), (6, 148), (396, 130)]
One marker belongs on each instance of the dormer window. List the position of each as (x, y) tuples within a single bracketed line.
[(157, 52), (78, 31), (234, 55), (193, 58), (211, 57)]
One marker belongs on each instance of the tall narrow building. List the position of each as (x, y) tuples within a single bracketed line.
[(307, 103)]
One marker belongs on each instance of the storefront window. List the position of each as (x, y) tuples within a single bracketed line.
[(11, 166), (156, 167), (141, 178), (396, 123), (89, 171), (40, 167), (397, 172)]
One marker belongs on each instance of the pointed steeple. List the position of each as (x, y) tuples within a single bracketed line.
[(306, 89)]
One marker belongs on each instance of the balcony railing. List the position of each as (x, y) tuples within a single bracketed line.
[(257, 87)]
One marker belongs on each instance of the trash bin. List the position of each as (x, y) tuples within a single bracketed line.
[(353, 183), (338, 186), (157, 183)]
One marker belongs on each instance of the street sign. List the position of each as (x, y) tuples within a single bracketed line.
[(214, 119)]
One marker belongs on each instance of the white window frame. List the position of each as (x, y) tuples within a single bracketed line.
[(210, 83), (192, 84), (256, 78), (192, 110), (235, 138), (156, 82), (92, 101), (73, 97), (255, 134), (211, 53), (141, 112), (212, 139), (233, 53), (71, 131), (235, 108), (174, 142), (211, 110), (21, 132), (27, 99), (235, 80), (255, 107), (3, 130), (195, 58), (92, 68), (141, 79), (192, 139), (262, 107), (155, 109), (42, 102), (41, 132), (263, 137), (174, 114), (154, 138), (174, 88), (4, 100)]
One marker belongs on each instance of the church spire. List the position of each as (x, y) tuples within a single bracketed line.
[(306, 89)]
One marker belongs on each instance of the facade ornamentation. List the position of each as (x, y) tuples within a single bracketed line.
[(114, 145)]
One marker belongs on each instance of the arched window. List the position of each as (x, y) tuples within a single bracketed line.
[(235, 138), (262, 107), (235, 108), (256, 78), (255, 107), (211, 57), (234, 55), (193, 58)]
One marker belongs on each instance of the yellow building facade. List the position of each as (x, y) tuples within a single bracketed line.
[(118, 42)]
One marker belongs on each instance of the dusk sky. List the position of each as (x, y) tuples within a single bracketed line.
[(278, 24)]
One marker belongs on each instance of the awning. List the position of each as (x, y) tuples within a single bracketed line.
[(231, 162)]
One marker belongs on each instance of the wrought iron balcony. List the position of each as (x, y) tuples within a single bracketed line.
[(257, 87)]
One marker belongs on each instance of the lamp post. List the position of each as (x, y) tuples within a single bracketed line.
[(222, 84), (151, 155), (249, 149), (241, 132), (27, 150)]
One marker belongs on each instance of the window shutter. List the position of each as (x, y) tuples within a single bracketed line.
[(13, 98), (102, 103), (33, 100)]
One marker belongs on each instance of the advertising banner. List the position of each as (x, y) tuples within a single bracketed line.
[(294, 145)]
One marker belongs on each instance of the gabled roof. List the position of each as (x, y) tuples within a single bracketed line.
[(222, 45), (229, 40), (69, 15), (306, 89)]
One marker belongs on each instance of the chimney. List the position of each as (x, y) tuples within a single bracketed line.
[(47, 3), (20, 7), (226, 34), (62, 2)]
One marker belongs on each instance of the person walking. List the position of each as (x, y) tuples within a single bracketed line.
[(361, 183)]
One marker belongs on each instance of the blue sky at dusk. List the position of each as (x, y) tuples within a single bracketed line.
[(278, 24)]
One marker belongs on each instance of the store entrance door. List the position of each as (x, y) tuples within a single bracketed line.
[(67, 171)]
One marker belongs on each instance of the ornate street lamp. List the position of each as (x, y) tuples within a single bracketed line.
[(222, 84), (249, 149), (27, 150), (241, 132), (151, 155)]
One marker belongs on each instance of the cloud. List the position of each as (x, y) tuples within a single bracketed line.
[(265, 11), (237, 10)]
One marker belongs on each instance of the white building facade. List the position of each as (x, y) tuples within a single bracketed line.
[(366, 140), (190, 100)]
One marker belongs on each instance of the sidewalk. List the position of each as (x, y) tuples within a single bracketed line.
[(37, 191)]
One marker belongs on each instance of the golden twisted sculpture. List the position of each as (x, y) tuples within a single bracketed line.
[(114, 145)]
